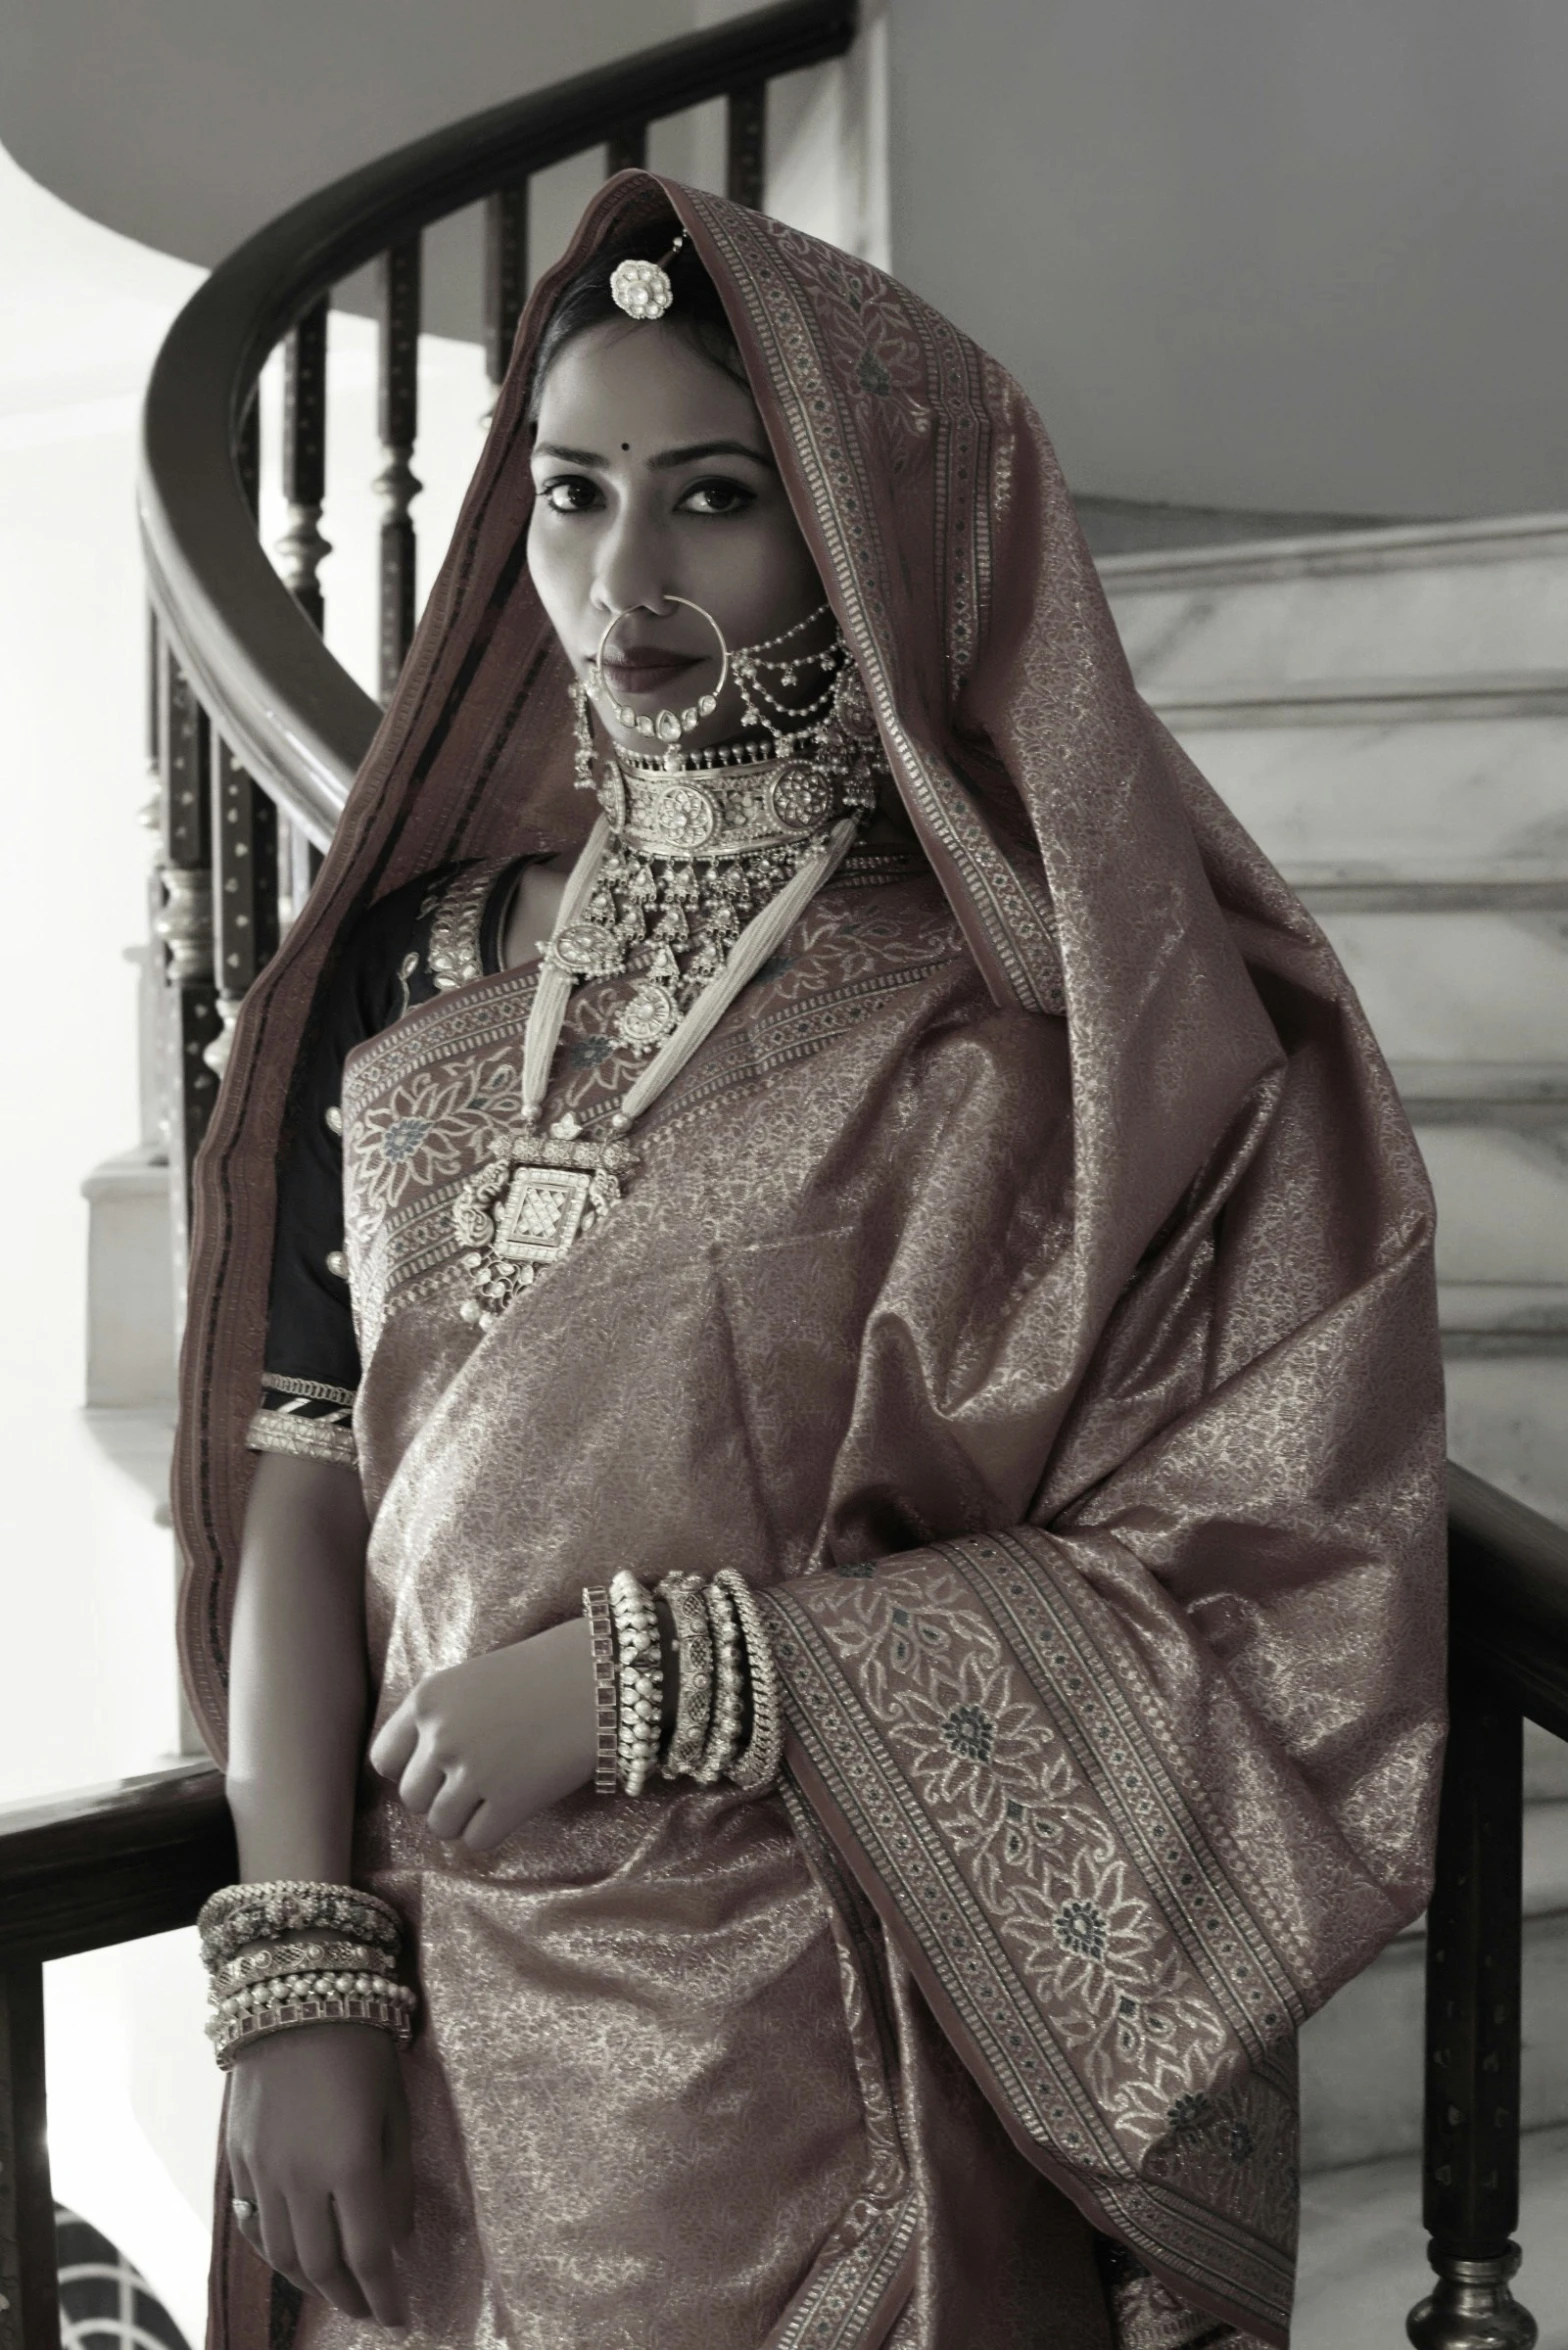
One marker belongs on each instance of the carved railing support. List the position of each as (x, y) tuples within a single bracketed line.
[(626, 148), (244, 891), (506, 273), (182, 927), (302, 549), (397, 483), (1474, 1948), (747, 128), (29, 2292)]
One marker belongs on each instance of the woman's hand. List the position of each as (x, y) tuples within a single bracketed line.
[(479, 1747), (318, 2141)]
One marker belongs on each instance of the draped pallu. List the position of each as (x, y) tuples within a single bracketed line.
[(1029, 1287)]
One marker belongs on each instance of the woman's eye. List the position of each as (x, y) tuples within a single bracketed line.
[(570, 493), (717, 496)]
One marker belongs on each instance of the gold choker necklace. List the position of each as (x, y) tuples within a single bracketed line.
[(722, 812)]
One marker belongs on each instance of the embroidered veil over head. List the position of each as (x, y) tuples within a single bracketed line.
[(1177, 1499)]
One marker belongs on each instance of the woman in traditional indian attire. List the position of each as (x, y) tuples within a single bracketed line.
[(1027, 1287)]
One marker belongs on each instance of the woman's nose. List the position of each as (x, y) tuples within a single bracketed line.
[(630, 572)]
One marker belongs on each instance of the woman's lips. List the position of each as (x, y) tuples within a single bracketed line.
[(638, 669)]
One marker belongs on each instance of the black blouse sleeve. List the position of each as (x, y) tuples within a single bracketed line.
[(398, 955)]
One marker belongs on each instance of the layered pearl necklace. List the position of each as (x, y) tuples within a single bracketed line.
[(695, 872)]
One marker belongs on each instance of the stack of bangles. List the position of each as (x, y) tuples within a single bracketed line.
[(281, 1956), (727, 1721)]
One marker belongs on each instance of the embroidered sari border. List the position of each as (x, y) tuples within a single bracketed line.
[(1043, 1620), (894, 1829), (857, 2298), (1149, 2223), (894, 1848)]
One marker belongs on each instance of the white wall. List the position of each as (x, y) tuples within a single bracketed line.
[(86, 1576), (1244, 253), (189, 123)]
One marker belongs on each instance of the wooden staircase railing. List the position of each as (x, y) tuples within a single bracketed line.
[(1508, 1661), (107, 1864), (256, 730), (113, 1863)]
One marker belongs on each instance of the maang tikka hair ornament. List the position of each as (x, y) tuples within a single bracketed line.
[(642, 288)]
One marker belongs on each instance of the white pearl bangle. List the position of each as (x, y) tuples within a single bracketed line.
[(729, 1688), (757, 1765), (639, 1679)]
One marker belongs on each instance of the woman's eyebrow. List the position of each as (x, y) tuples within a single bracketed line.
[(569, 456), (669, 458)]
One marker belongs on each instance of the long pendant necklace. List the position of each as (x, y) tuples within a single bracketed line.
[(692, 877), (523, 1212)]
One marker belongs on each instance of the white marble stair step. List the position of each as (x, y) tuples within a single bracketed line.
[(1494, 1317), (1502, 1205), (1466, 597), (1361, 2058), (1450, 987), (130, 1283), (1524, 1095), (1508, 1422), (1363, 2249), (1414, 793)]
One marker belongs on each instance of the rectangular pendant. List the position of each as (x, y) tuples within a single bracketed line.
[(541, 1214)]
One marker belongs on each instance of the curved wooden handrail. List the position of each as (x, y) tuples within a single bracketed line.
[(109, 1864), (1508, 1584), (289, 711)]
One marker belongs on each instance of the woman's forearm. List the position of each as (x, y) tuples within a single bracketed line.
[(299, 1684)]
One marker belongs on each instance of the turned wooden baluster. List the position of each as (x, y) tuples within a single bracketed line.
[(184, 925), (506, 273), (302, 547), (244, 891), (399, 424), (746, 123), (626, 149), (29, 2286), (151, 958), (1471, 2157)]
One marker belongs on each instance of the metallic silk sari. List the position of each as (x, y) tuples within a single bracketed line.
[(1028, 1287)]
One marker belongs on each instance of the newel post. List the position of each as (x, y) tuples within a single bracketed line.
[(1474, 1941)]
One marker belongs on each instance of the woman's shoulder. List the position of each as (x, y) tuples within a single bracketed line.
[(438, 931)]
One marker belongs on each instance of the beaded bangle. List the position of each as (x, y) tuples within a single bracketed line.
[(757, 1765), (639, 1666), (683, 1595), (292, 1958), (241, 1914), (729, 1687), (601, 1632), (387, 2012), (288, 1990)]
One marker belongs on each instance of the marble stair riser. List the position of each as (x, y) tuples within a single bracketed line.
[(1446, 987), (1545, 1766), (1209, 620), (1431, 799), (1502, 1204), (130, 1285), (1508, 1422), (1361, 2058)]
